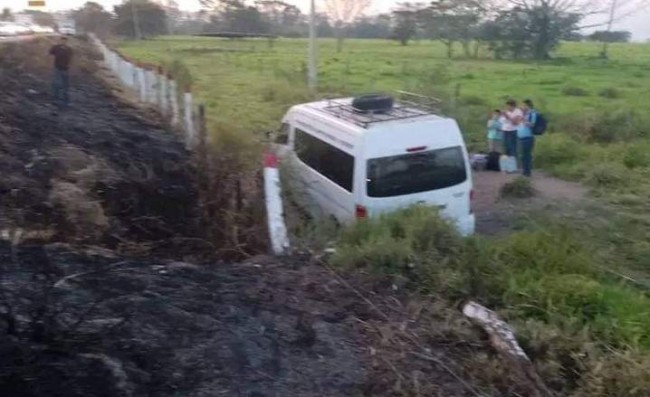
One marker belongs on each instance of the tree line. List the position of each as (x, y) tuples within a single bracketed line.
[(502, 28)]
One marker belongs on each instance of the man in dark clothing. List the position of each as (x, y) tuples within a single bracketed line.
[(62, 58)]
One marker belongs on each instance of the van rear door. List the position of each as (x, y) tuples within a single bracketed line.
[(438, 177)]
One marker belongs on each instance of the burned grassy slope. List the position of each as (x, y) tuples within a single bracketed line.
[(99, 296), (84, 192), (98, 171)]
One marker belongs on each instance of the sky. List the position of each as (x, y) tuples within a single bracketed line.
[(637, 23)]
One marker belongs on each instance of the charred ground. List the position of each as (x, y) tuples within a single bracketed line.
[(109, 287)]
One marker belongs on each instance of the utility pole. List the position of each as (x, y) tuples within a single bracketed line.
[(312, 74), (136, 21)]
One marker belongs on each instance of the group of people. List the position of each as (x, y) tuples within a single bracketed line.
[(510, 131)]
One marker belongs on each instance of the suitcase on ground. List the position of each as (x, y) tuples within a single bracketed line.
[(493, 161)]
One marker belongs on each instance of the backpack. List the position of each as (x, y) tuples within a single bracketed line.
[(540, 125), (493, 161)]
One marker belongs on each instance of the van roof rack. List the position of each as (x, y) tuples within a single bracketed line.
[(408, 105)]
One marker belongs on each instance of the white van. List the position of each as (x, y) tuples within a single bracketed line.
[(352, 159)]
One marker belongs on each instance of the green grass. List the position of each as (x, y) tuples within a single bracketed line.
[(556, 280), (548, 283), (602, 139), (230, 75)]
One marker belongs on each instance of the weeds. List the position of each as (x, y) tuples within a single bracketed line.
[(610, 93), (521, 187), (574, 91), (570, 316)]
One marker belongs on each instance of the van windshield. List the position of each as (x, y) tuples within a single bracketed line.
[(416, 172)]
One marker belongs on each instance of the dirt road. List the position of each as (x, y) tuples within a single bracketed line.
[(102, 293)]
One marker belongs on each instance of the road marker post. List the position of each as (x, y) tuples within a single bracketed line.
[(274, 210)]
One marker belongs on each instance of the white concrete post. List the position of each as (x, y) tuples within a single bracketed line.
[(134, 78), (151, 86), (122, 70), (111, 61), (160, 90), (188, 108), (142, 84), (131, 75), (173, 98), (164, 104), (275, 215)]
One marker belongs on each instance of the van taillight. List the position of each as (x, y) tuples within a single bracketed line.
[(361, 212), (471, 200)]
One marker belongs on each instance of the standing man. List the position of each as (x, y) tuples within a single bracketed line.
[(62, 54), (512, 117), (526, 136)]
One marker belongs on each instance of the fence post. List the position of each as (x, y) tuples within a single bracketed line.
[(274, 211), (173, 98), (160, 87), (142, 83), (188, 108)]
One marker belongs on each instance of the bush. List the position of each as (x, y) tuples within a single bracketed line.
[(574, 91), (521, 187), (557, 149), (606, 126), (637, 156), (606, 175), (619, 374), (413, 242), (182, 75), (610, 93), (473, 100)]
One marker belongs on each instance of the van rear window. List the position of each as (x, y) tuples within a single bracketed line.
[(416, 172)]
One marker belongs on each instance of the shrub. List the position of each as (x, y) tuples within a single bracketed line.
[(637, 156), (179, 70), (618, 374), (473, 100), (414, 242), (610, 92), (606, 175), (556, 149), (521, 187), (574, 91), (606, 126)]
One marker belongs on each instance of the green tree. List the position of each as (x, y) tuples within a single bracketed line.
[(6, 15), (529, 33), (406, 18), (92, 17), (453, 21), (42, 18), (143, 15), (343, 13), (281, 18), (612, 36)]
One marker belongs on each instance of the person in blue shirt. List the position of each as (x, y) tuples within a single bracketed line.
[(526, 136), (494, 134)]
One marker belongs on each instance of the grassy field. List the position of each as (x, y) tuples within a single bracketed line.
[(558, 270), (600, 128)]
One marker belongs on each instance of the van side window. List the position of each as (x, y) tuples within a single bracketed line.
[(327, 160)]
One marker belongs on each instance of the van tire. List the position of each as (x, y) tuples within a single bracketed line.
[(376, 103)]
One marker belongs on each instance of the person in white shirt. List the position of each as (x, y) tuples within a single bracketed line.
[(511, 118)]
